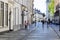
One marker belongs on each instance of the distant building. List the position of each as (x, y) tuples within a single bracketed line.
[(38, 16)]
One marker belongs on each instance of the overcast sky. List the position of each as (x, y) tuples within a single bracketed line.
[(40, 5)]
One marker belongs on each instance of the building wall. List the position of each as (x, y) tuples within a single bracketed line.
[(14, 18), (56, 3), (56, 17), (29, 6), (30, 10), (4, 16), (17, 16)]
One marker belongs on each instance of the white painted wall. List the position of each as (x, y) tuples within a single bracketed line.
[(5, 27), (17, 9), (6, 1)]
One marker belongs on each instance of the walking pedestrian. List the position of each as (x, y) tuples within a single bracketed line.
[(25, 25), (48, 23), (43, 24)]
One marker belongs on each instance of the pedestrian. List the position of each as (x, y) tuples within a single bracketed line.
[(25, 25), (43, 24), (48, 23)]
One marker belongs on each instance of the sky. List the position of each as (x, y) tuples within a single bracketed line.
[(40, 5)]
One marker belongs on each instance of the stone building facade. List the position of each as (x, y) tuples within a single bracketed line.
[(11, 11)]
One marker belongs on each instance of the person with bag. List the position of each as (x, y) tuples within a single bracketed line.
[(42, 24)]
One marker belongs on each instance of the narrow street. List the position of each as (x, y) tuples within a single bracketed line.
[(42, 34), (29, 19), (38, 33)]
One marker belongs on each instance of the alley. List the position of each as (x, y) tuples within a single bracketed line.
[(39, 33)]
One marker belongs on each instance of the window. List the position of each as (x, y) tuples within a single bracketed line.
[(16, 16), (6, 14), (1, 13)]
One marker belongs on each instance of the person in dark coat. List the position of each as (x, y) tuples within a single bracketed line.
[(48, 23), (42, 24)]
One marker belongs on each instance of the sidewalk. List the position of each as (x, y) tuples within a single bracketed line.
[(32, 27), (17, 35), (42, 34), (56, 29)]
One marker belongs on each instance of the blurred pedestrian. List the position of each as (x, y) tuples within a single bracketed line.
[(48, 23), (43, 24), (25, 25)]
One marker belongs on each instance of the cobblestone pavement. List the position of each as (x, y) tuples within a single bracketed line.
[(40, 33)]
